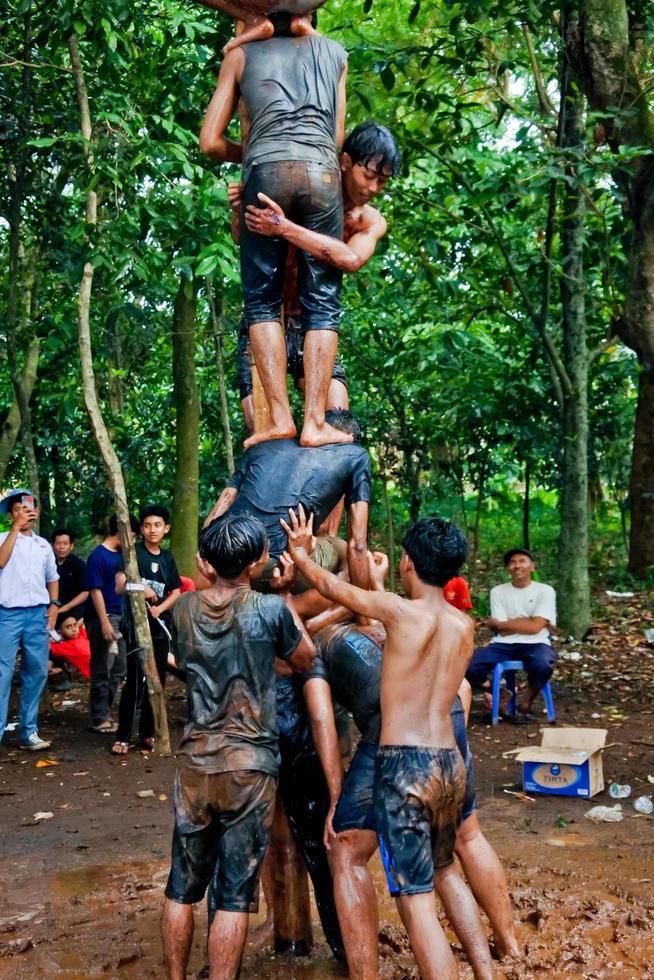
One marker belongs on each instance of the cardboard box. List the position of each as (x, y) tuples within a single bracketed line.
[(568, 762)]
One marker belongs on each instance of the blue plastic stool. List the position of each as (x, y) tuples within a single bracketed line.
[(509, 668)]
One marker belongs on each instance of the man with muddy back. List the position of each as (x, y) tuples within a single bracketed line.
[(420, 777), (227, 639)]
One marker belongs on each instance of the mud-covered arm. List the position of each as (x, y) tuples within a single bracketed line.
[(222, 107), (357, 543), (304, 654), (384, 606), (317, 694), (349, 256)]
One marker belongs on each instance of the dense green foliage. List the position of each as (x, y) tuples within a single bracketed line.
[(447, 368)]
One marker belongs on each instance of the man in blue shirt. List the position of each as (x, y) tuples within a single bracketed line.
[(102, 618), (29, 591)]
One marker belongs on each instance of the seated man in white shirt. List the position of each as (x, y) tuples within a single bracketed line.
[(522, 612)]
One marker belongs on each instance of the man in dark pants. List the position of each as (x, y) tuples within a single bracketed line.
[(522, 612), (103, 619)]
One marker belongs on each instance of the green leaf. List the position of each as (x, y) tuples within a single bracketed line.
[(415, 10), (387, 77), (43, 141)]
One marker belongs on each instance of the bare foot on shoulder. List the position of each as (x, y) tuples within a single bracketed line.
[(258, 30), (274, 432), (302, 26), (324, 435)]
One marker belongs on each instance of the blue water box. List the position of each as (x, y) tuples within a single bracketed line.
[(568, 762)]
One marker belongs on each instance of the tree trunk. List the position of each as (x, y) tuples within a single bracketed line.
[(641, 485), (613, 66), (391, 535), (103, 441), (574, 588), (525, 507), (20, 286), (222, 388), (184, 533), (11, 425)]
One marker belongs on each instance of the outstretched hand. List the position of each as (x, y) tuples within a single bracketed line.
[(300, 532), (284, 580), (265, 221)]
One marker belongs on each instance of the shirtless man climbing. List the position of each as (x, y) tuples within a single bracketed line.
[(420, 776)]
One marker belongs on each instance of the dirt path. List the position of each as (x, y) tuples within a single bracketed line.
[(80, 893)]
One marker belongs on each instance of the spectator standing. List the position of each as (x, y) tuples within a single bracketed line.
[(103, 616), (72, 573), (29, 602), (162, 583)]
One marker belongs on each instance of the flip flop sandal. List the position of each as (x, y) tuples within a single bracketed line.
[(120, 748)]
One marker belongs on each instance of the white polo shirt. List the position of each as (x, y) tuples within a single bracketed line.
[(536, 599), (31, 566)]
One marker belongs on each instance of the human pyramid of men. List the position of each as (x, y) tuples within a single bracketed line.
[(294, 620)]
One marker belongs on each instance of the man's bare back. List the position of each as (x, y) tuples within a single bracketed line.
[(426, 654)]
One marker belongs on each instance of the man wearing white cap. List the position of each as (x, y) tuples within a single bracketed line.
[(29, 591)]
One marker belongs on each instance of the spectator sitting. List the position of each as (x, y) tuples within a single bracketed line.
[(73, 647), (522, 611), (72, 573)]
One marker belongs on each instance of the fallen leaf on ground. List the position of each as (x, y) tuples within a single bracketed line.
[(43, 815), (42, 763)]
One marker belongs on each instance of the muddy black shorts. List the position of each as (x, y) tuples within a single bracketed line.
[(222, 827), (310, 195), (294, 357), (355, 809), (418, 795)]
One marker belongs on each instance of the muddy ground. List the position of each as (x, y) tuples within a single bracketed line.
[(80, 893)]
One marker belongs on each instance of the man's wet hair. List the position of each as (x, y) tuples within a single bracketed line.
[(154, 510), (373, 145), (344, 421), (437, 549), (59, 532), (231, 543), (133, 523)]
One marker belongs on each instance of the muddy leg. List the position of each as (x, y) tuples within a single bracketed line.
[(356, 901), (428, 941), (269, 350), (486, 877), (463, 914), (226, 941), (177, 932), (264, 934), (319, 352)]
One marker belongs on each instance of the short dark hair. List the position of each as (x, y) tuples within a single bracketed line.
[(62, 617), (133, 523), (282, 22), (232, 542), (369, 143), (437, 549), (516, 551), (344, 421), (59, 533), (155, 510)]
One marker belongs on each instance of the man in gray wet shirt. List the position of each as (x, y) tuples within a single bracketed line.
[(293, 94)]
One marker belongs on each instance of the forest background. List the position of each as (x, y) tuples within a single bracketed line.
[(499, 346)]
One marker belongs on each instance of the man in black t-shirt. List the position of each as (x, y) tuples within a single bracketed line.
[(278, 475), (162, 583), (73, 592), (227, 640)]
